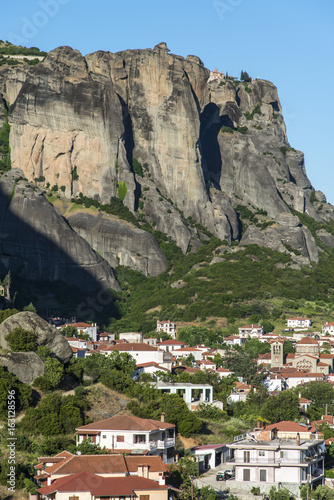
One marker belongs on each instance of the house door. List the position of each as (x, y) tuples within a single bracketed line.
[(246, 474)]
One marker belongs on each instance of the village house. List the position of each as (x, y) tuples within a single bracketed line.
[(111, 465), (328, 328), (210, 456), (167, 327), (171, 345), (88, 486), (298, 322), (141, 352), (128, 433), (264, 459), (184, 352), (132, 337), (193, 394), (106, 337), (83, 328), (233, 340), (253, 331), (240, 392), (151, 367), (223, 372)]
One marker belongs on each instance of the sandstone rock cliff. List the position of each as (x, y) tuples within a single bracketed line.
[(37, 242), (188, 148), (120, 243)]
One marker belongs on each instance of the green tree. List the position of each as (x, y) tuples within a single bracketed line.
[(208, 493), (30, 307), (21, 340), (285, 406), (189, 425), (11, 385), (69, 331), (53, 374), (281, 494), (242, 365), (254, 347)]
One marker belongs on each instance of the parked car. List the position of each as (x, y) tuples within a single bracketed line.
[(220, 476), (223, 475)]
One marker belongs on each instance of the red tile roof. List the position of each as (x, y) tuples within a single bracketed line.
[(126, 422), (96, 464), (101, 486), (288, 426), (128, 347), (308, 340), (155, 463), (172, 342)]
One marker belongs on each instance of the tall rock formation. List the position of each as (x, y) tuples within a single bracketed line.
[(181, 146), (37, 242)]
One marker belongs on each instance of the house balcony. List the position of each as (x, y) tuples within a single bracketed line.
[(158, 444)]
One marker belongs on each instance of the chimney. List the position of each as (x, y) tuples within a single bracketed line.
[(259, 424), (298, 439), (163, 416)]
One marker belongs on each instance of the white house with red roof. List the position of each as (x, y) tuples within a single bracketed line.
[(183, 352), (223, 372), (87, 486), (83, 328), (151, 367), (141, 352), (167, 327), (298, 322), (328, 328), (128, 433), (253, 331), (171, 345), (233, 340)]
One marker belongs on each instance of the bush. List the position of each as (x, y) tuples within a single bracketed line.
[(21, 340), (190, 425), (75, 175), (137, 167)]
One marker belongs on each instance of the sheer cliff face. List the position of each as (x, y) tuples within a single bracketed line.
[(206, 145), (36, 242)]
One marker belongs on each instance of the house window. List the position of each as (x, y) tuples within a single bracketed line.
[(262, 453), (263, 475), (139, 438), (246, 474), (104, 436), (144, 497), (73, 498), (246, 456), (120, 439)]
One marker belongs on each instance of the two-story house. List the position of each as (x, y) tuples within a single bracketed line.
[(87, 486), (298, 322), (141, 352), (328, 328), (253, 331), (128, 433), (263, 458), (167, 327)]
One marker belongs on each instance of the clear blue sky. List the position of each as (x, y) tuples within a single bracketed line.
[(289, 42)]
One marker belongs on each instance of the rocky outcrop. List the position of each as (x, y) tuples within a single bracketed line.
[(120, 243), (181, 149), (46, 334), (36, 241), (27, 366), (297, 240)]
